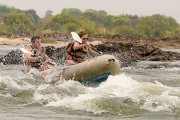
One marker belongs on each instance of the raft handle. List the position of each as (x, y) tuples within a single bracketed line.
[(113, 60), (110, 60)]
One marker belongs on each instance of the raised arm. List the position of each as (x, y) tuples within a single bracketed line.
[(77, 45), (92, 52), (27, 55)]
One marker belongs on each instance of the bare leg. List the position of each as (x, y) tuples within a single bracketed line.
[(42, 74), (70, 62)]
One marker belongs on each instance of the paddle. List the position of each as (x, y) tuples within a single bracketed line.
[(25, 51), (76, 37)]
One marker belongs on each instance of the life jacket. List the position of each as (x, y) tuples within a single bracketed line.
[(75, 55), (35, 53)]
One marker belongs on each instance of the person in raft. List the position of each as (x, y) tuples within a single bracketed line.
[(35, 56), (76, 51)]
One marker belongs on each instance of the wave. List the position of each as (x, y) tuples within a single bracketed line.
[(119, 95)]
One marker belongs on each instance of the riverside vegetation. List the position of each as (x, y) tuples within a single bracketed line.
[(130, 37), (18, 23)]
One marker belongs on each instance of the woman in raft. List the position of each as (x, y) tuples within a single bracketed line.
[(76, 51)]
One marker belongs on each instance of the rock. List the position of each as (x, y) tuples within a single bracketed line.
[(137, 52), (127, 53), (56, 54), (13, 57)]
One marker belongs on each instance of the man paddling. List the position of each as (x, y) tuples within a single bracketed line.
[(35, 57), (76, 51)]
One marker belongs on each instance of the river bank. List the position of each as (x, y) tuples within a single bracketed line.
[(127, 51), (11, 41), (164, 44), (159, 43)]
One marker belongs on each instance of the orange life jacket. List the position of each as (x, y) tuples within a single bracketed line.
[(75, 55)]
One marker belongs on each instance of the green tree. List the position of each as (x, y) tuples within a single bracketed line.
[(100, 17), (156, 26), (124, 31), (48, 13), (133, 20), (120, 20), (74, 12), (5, 9), (63, 23), (33, 15), (91, 27), (45, 22), (178, 32), (18, 23), (3, 27)]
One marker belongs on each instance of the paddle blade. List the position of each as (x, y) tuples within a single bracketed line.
[(76, 37), (25, 51)]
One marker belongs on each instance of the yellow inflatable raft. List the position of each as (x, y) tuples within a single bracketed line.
[(93, 71)]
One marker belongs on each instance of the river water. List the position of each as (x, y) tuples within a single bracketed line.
[(145, 91)]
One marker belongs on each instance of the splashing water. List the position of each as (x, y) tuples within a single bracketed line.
[(119, 95), (139, 92)]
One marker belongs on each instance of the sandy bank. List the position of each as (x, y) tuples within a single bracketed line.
[(17, 41), (10, 41), (157, 43)]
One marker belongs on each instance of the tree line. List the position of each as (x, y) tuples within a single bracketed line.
[(15, 22)]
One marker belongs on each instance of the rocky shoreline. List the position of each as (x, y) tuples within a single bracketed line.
[(126, 52)]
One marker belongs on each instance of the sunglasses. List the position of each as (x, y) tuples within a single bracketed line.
[(85, 38)]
